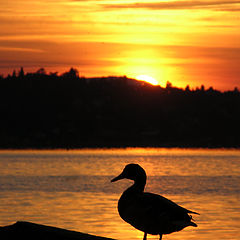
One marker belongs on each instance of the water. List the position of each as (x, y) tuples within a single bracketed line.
[(72, 189)]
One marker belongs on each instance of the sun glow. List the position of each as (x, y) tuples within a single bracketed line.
[(148, 79)]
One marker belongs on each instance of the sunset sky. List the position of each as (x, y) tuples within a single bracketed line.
[(185, 42)]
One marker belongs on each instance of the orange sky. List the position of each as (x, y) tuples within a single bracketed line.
[(185, 42)]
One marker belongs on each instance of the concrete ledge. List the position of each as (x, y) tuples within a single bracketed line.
[(33, 231)]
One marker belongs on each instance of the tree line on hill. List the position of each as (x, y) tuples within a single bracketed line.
[(40, 110)]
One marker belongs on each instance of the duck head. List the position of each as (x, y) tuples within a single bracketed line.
[(132, 171)]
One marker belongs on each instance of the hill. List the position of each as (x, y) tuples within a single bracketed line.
[(40, 110)]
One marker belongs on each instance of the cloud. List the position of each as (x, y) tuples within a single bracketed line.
[(229, 9), (19, 49), (174, 5)]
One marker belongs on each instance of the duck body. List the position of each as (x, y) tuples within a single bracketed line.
[(152, 213), (148, 212)]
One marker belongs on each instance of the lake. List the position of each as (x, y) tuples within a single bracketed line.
[(72, 189)]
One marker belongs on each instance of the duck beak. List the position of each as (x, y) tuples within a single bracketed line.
[(121, 176)]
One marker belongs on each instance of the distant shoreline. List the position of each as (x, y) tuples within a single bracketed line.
[(121, 147)]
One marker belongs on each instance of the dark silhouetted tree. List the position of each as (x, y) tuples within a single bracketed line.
[(168, 85), (202, 88), (187, 88), (71, 74), (236, 90), (54, 74), (14, 75), (21, 73), (41, 71)]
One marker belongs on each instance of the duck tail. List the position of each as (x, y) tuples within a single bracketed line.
[(192, 223), (193, 212)]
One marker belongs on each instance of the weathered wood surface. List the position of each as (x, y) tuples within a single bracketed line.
[(33, 231)]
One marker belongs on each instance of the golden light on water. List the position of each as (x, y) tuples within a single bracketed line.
[(72, 190)]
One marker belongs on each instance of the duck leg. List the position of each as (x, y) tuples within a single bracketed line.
[(145, 236), (160, 236)]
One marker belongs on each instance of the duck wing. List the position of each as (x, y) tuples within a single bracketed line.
[(156, 214), (163, 204)]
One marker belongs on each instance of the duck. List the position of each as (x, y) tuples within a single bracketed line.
[(148, 212)]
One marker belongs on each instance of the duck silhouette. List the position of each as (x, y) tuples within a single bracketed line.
[(148, 212)]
